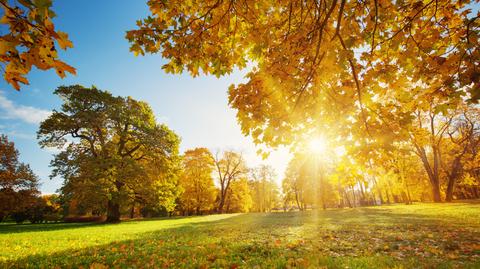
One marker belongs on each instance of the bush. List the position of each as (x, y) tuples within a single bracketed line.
[(20, 217), (84, 219)]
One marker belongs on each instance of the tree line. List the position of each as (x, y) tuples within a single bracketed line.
[(116, 160), (398, 89)]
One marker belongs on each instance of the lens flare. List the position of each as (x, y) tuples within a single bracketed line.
[(318, 145)]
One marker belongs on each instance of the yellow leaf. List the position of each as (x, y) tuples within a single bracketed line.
[(63, 40)]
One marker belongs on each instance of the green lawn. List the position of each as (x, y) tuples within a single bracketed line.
[(400, 236)]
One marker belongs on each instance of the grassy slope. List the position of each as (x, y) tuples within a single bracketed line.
[(422, 235)]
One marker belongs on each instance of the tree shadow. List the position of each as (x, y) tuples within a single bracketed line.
[(42, 227), (200, 242), (243, 240)]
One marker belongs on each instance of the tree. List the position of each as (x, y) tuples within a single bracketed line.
[(197, 182), (263, 189), (113, 146), (31, 40), (18, 184), (319, 61), (238, 197), (464, 142), (229, 167), (298, 183)]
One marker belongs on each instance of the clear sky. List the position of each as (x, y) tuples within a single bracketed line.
[(195, 108)]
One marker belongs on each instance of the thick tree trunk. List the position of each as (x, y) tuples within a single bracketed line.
[(220, 206), (432, 172), (450, 186), (452, 178), (113, 212), (436, 192)]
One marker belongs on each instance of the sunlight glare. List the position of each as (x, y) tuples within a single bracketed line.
[(318, 145)]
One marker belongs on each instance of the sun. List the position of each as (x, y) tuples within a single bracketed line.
[(317, 145)]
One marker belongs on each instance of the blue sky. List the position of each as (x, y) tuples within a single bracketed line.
[(195, 108)]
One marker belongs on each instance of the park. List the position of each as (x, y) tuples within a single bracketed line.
[(396, 236), (240, 134)]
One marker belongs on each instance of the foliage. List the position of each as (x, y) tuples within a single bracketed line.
[(18, 184), (263, 188), (112, 150), (398, 74), (414, 236), (238, 197), (315, 63), (31, 40), (197, 182), (230, 167)]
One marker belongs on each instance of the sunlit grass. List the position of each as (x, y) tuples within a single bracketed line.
[(420, 235)]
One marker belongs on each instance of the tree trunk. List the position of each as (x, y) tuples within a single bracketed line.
[(113, 212), (354, 198), (388, 196), (436, 192), (452, 177), (298, 202), (450, 186), (409, 197), (432, 172), (132, 211), (348, 199)]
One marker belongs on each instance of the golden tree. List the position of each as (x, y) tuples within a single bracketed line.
[(197, 182)]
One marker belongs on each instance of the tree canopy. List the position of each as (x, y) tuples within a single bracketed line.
[(314, 61), (199, 191), (112, 146), (18, 184)]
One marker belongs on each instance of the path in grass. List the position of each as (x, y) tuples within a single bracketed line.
[(421, 235)]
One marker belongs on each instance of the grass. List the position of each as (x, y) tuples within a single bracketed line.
[(399, 236)]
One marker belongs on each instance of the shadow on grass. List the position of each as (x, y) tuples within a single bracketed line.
[(241, 240), (42, 227), (8, 228), (197, 241)]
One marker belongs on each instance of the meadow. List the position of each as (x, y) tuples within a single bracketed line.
[(395, 236)]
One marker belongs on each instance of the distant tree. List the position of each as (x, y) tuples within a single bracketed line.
[(295, 183), (197, 182), (238, 197), (462, 147), (229, 167), (263, 189), (18, 184), (28, 40), (112, 146), (53, 207)]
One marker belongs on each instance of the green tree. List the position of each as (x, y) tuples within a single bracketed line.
[(113, 145)]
